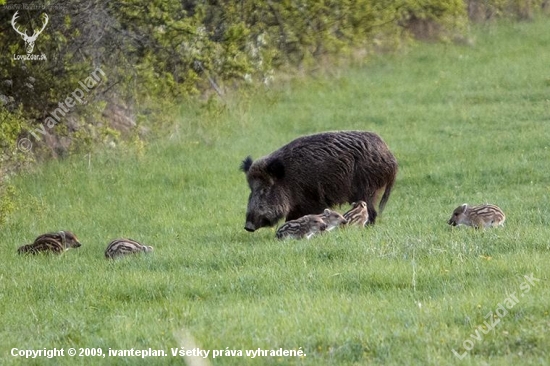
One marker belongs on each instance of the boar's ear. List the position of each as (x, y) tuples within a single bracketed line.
[(276, 169), (245, 165)]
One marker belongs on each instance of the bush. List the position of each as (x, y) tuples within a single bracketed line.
[(7, 201), (156, 53)]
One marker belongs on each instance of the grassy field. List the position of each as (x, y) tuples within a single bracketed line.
[(467, 124)]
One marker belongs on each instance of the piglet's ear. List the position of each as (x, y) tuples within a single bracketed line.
[(245, 165), (464, 207), (276, 169)]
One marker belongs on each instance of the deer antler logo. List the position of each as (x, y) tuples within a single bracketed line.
[(29, 41)]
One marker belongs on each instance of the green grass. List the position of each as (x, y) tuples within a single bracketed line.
[(467, 124)]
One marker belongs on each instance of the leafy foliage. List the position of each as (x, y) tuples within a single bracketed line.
[(7, 205), (159, 52)]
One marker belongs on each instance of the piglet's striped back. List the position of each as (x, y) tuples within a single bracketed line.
[(481, 216), (304, 227), (122, 247), (358, 214), (51, 243)]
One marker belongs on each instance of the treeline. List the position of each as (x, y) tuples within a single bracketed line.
[(154, 53)]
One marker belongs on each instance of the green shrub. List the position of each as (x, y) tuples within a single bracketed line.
[(158, 53), (7, 201)]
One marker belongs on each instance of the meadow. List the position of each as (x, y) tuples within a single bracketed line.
[(467, 123)]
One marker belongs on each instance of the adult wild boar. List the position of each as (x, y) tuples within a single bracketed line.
[(318, 171)]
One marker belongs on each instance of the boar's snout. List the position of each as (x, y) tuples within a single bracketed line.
[(249, 226), (451, 222)]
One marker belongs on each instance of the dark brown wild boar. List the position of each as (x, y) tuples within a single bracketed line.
[(318, 171)]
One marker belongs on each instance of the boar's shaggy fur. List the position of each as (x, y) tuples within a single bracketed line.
[(318, 171)]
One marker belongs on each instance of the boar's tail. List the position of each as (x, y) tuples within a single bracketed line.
[(386, 195)]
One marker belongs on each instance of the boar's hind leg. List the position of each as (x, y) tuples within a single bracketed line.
[(371, 210), (376, 199)]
